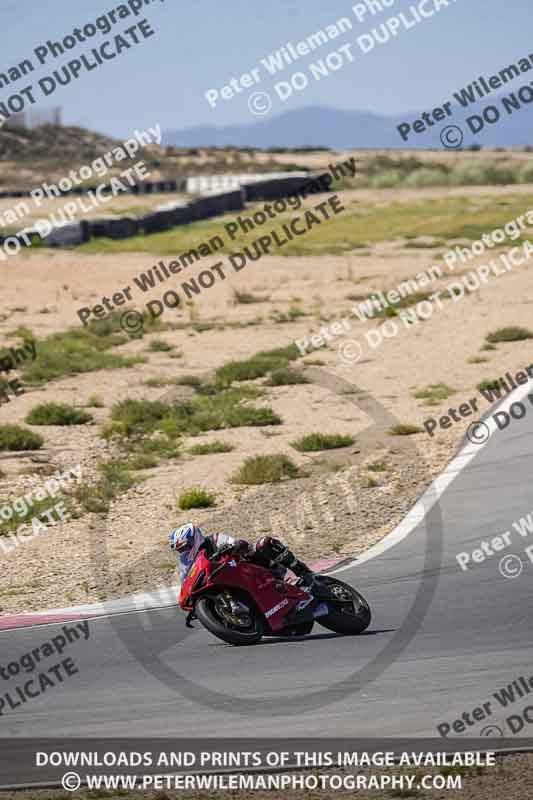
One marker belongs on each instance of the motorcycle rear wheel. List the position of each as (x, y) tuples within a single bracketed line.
[(350, 614), (206, 613)]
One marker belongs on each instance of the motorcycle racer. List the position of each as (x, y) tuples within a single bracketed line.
[(189, 539)]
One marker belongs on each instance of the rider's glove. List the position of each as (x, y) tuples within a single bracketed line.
[(240, 547), (221, 551)]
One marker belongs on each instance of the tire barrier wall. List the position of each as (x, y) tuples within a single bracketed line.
[(165, 217), (193, 185), (146, 187), (276, 188), (200, 184)]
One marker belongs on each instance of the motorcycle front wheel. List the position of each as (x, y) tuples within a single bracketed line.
[(212, 611), (349, 611)]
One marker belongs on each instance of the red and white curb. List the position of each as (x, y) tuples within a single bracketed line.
[(168, 596), (146, 601), (161, 598)]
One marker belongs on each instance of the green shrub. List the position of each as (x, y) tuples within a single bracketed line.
[(526, 173), (404, 430), (483, 173), (288, 353), (141, 461), (377, 466), (139, 416), (36, 508), (265, 469), (285, 376), (152, 449), (202, 327), (189, 380), (57, 414), (513, 333), (224, 409), (246, 298), (246, 370), (112, 325), (434, 394), (157, 382), (313, 442), (405, 302), (160, 346), (196, 498), (74, 352), (115, 479), (426, 177), (489, 384), (498, 175), (421, 245), (288, 316), (14, 438), (210, 447), (95, 402), (257, 366), (387, 180)]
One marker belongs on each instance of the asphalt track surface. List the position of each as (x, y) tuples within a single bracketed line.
[(472, 637)]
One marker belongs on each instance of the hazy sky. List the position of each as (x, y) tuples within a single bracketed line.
[(200, 45)]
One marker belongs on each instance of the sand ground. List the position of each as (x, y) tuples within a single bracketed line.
[(336, 510)]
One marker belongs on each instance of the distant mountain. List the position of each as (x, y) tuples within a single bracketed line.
[(343, 130)]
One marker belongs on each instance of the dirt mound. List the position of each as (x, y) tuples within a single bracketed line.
[(52, 142)]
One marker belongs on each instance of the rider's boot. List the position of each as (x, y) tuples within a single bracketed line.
[(300, 569), (280, 555)]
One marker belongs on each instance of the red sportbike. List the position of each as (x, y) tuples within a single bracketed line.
[(239, 602)]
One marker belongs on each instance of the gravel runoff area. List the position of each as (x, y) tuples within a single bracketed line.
[(341, 507)]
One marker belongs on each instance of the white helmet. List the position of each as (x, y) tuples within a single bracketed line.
[(186, 541)]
